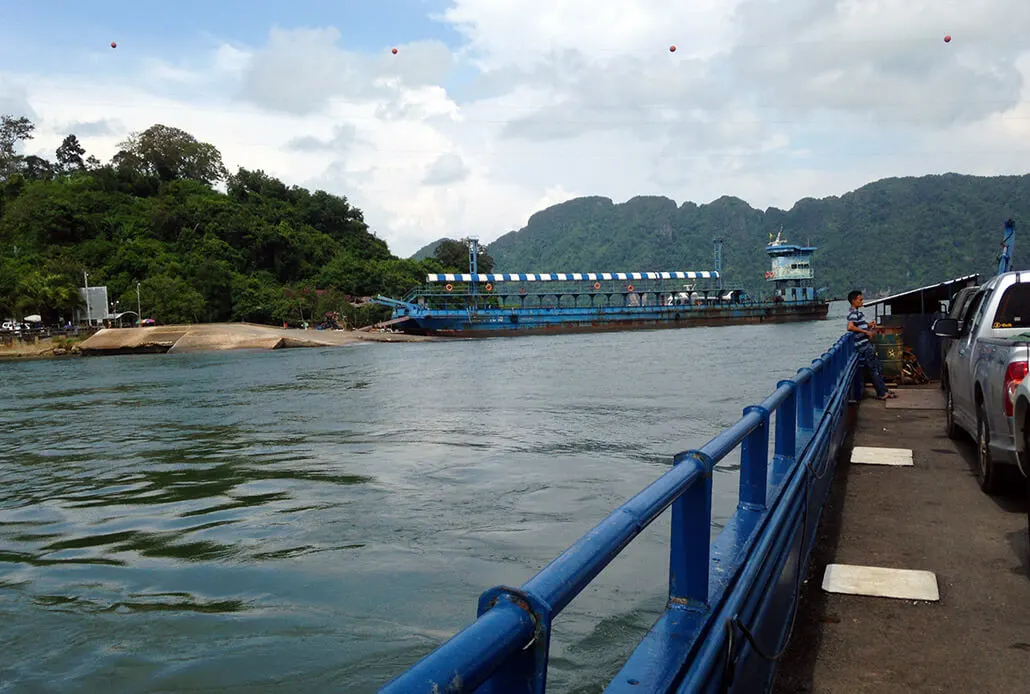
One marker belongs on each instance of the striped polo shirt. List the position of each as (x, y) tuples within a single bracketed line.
[(858, 318)]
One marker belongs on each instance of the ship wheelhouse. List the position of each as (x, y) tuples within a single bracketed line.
[(791, 271)]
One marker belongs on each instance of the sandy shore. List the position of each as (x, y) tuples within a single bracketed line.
[(206, 337)]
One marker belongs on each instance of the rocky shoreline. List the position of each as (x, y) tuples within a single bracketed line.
[(163, 339)]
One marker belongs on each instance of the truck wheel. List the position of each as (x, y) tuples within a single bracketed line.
[(986, 470), (950, 428)]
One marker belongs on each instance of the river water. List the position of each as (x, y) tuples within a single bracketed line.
[(318, 519)]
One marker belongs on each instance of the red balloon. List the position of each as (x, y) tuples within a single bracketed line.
[(672, 49), (947, 39), (395, 51), (114, 45)]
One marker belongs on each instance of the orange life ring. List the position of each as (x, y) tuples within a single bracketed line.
[(629, 287), (489, 287), (448, 287), (597, 285)]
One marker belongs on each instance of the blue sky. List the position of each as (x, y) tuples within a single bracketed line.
[(44, 34)]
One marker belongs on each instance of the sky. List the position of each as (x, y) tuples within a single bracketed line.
[(492, 110)]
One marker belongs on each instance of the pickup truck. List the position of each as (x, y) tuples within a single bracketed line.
[(986, 362)]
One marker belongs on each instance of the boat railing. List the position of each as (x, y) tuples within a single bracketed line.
[(730, 599)]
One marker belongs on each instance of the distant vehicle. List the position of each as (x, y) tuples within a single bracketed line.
[(989, 358)]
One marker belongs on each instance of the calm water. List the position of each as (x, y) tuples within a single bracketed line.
[(320, 519)]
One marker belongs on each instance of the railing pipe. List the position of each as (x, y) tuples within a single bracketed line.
[(493, 649), (724, 443), (479, 648), (712, 649), (784, 390), (562, 580)]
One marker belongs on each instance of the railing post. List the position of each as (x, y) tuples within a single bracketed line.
[(754, 463), (786, 428), (858, 384), (806, 404), (822, 381), (690, 544), (817, 386)]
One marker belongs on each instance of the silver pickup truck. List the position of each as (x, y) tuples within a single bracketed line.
[(983, 367)]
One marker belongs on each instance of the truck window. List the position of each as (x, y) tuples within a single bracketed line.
[(961, 301), (972, 308), (1014, 307)]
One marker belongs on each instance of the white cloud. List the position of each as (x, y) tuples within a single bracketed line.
[(446, 169), (769, 100)]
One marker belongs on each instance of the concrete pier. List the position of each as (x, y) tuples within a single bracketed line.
[(928, 516)]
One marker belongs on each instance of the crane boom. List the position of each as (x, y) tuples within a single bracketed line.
[(1007, 244)]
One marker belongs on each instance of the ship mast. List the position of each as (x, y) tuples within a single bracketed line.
[(473, 244)]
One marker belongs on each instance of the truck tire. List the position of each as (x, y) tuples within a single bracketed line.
[(950, 428), (986, 470)]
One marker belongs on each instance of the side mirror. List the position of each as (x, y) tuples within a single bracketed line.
[(945, 327)]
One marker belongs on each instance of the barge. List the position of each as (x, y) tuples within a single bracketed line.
[(488, 305)]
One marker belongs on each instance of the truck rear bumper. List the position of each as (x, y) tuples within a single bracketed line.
[(1003, 452)]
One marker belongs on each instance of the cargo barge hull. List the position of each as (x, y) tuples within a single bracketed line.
[(543, 321)]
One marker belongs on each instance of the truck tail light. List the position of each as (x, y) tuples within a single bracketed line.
[(1014, 375)]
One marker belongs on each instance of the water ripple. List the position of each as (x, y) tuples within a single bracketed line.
[(322, 518)]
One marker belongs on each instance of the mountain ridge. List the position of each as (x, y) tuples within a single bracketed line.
[(892, 234)]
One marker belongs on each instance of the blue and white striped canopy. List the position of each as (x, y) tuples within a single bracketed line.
[(575, 276)]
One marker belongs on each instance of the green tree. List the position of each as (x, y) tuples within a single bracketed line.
[(12, 132), (171, 300), (36, 168), (254, 298), (69, 155), (454, 256), (169, 154), (47, 294)]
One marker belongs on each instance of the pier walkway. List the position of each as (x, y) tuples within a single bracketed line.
[(930, 516)]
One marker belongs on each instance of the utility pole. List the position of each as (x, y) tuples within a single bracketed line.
[(139, 309), (85, 279), (718, 262)]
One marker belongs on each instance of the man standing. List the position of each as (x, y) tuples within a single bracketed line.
[(864, 332)]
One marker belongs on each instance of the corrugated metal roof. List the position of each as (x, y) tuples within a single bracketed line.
[(939, 291)]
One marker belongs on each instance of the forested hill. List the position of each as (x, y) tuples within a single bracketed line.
[(891, 235), (261, 251)]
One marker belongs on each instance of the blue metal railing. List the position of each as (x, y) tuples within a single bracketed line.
[(731, 599)]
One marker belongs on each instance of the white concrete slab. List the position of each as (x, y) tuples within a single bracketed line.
[(881, 456), (874, 581)]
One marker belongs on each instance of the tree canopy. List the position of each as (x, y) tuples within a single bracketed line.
[(262, 251), (454, 256)]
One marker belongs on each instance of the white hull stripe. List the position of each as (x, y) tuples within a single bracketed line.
[(575, 276)]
